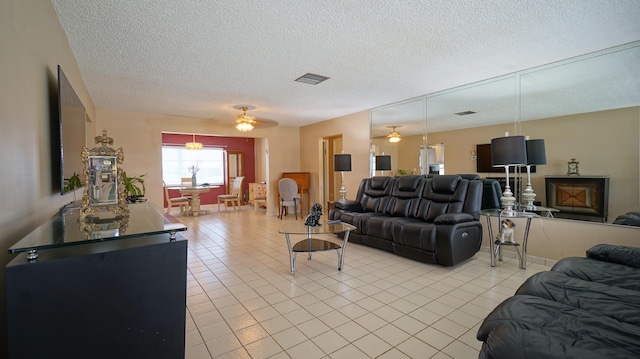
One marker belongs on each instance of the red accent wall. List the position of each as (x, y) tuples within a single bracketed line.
[(243, 144)]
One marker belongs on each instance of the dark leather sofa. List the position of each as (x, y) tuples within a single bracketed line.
[(583, 308), (431, 220)]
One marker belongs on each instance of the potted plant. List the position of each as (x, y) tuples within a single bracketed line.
[(134, 187), (403, 172), (72, 183)]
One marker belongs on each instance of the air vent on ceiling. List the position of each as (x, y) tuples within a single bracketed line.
[(311, 79), (464, 113)]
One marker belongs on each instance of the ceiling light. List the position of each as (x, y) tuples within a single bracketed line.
[(245, 123), (394, 136), (311, 79), (193, 145)]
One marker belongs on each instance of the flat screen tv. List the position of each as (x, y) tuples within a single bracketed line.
[(72, 121), (483, 161)]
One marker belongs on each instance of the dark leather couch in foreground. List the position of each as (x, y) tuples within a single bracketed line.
[(583, 308), (432, 220)]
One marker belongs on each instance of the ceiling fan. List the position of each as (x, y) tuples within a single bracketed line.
[(246, 123)]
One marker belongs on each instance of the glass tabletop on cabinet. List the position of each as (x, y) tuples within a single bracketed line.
[(65, 229)]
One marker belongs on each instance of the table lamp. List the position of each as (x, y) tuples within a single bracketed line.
[(535, 156), (508, 151), (342, 163), (383, 163)]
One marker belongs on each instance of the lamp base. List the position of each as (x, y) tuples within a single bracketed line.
[(343, 192), (508, 201), (528, 196)]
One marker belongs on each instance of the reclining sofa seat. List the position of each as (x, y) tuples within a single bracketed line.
[(432, 220)]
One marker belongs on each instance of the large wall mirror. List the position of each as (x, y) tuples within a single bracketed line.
[(586, 108), (399, 130)]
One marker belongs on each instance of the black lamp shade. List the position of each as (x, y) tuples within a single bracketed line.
[(383, 163), (342, 163), (508, 151), (535, 152)]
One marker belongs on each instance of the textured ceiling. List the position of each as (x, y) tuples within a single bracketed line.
[(199, 58)]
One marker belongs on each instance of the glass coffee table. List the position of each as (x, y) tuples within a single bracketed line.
[(310, 244)]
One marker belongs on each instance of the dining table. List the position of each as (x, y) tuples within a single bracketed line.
[(194, 192)]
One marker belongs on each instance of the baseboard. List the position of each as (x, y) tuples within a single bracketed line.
[(530, 258)]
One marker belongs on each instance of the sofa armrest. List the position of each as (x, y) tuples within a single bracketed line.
[(629, 256), (453, 218), (348, 205)]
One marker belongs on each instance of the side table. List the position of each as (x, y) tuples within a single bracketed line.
[(495, 244)]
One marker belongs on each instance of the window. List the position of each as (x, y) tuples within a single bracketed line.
[(177, 160)]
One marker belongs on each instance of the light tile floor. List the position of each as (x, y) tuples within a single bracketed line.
[(243, 302)]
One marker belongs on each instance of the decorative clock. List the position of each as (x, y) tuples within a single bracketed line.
[(573, 167)]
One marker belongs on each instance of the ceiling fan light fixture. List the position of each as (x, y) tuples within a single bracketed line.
[(245, 123), (394, 136)]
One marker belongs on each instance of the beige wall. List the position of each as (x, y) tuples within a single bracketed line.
[(32, 44), (355, 141), (140, 136)]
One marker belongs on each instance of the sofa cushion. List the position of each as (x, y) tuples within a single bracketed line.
[(409, 183), (442, 194), (577, 333), (380, 182), (416, 234), (376, 193), (452, 218), (615, 254), (405, 196), (614, 274), (347, 205), (597, 298), (445, 183)]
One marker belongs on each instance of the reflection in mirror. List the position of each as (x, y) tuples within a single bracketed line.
[(435, 159), (103, 180), (408, 118), (489, 105), (587, 108)]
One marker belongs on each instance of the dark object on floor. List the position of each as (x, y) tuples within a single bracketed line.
[(583, 308), (432, 220)]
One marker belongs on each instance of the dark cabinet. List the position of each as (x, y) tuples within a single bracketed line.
[(579, 197), (99, 293)]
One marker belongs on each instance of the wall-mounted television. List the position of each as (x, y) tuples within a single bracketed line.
[(72, 122), (483, 161)]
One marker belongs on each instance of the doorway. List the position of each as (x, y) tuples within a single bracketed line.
[(331, 180)]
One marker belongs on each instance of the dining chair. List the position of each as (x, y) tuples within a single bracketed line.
[(234, 196), (183, 202), (288, 190)]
